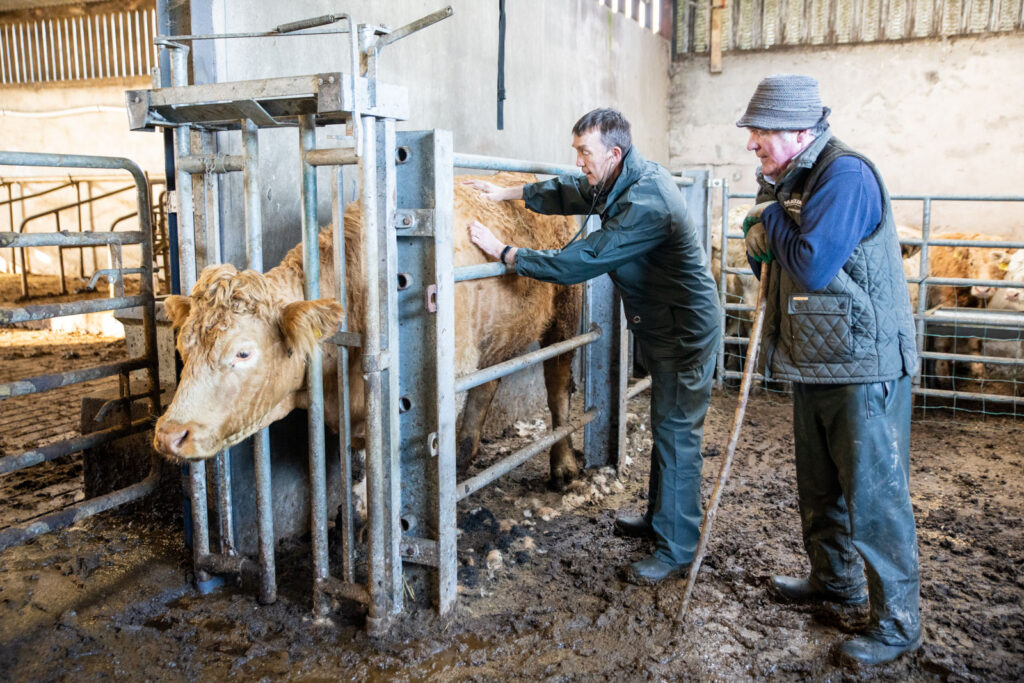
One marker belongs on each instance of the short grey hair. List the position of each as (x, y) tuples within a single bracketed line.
[(615, 129)]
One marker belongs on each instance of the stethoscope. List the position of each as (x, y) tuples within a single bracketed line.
[(593, 203)]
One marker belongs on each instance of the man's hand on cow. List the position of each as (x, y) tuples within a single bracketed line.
[(494, 192), (488, 243)]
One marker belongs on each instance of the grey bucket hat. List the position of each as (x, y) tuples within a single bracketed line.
[(785, 102)]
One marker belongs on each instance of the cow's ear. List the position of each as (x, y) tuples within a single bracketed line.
[(177, 309), (305, 323)]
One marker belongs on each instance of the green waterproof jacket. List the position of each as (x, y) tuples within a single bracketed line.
[(650, 248)]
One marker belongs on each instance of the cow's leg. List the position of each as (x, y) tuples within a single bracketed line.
[(478, 402), (558, 380)]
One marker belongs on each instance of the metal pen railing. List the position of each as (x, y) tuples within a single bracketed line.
[(34, 385)]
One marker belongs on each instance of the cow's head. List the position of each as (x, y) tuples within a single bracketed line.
[(244, 351)]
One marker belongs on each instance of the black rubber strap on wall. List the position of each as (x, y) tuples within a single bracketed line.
[(501, 64)]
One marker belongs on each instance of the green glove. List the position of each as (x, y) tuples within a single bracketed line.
[(757, 242)]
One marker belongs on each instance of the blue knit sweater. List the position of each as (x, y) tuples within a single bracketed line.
[(845, 208)]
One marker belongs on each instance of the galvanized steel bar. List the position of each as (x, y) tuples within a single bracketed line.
[(344, 418), (639, 387), (969, 358), (489, 163), (378, 607), (387, 195), (261, 440), (211, 163), (444, 369), (225, 516), (22, 314), (314, 366), (12, 463), (503, 467), (18, 535), (722, 297), (412, 27), (183, 179), (41, 383), (961, 395), (481, 271), (346, 590), (337, 156), (475, 379), (991, 318)]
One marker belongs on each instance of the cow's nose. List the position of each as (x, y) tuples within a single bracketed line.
[(982, 292), (172, 438)]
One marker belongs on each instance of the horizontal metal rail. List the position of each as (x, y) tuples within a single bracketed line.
[(966, 358), (505, 466), (489, 163), (46, 311), (41, 383), (66, 238), (332, 156), (639, 388), (994, 317), (210, 163), (23, 533), (482, 270), (475, 379), (12, 463), (968, 395), (343, 589)]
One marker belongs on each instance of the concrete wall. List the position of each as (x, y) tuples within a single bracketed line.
[(563, 58), (937, 117)]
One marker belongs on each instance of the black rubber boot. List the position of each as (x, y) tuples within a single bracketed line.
[(869, 651), (634, 527), (650, 571), (801, 590)]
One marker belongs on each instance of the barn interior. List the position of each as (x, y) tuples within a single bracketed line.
[(115, 563)]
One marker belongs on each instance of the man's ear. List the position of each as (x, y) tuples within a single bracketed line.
[(177, 309), (304, 324)]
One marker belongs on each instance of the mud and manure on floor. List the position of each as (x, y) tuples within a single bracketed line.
[(540, 593)]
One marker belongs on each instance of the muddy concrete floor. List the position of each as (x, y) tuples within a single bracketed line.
[(540, 595)]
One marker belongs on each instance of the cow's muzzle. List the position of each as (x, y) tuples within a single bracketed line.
[(177, 440)]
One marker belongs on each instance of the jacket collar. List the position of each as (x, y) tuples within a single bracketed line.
[(803, 160), (633, 165)]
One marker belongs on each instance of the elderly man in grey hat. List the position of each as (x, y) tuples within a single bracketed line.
[(839, 327)]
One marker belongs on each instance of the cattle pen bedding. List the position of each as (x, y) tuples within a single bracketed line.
[(540, 596)]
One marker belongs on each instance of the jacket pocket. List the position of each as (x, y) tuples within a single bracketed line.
[(649, 320), (819, 327)]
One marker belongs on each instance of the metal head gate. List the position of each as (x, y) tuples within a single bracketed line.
[(114, 241)]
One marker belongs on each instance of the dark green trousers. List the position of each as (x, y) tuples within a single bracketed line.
[(679, 402), (853, 481)]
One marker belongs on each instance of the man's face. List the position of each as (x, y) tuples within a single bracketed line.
[(776, 148), (597, 161)]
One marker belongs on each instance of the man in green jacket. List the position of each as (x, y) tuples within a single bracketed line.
[(651, 250)]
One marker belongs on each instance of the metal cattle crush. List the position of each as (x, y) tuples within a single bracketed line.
[(407, 344)]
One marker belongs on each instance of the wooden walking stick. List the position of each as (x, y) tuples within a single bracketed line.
[(737, 422)]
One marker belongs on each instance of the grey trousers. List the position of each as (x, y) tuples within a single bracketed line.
[(679, 402), (853, 480)]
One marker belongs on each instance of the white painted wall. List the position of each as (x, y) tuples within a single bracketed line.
[(937, 117)]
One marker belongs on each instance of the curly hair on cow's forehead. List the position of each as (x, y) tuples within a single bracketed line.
[(220, 293)]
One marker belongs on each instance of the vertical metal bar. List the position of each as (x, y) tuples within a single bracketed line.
[(378, 608), (76, 52), (344, 418), (60, 260), (186, 208), (89, 52), (78, 213), (922, 288), (225, 521), (386, 152), (444, 349), (58, 48), (722, 297), (261, 441), (314, 376)]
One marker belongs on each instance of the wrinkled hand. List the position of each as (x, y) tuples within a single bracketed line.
[(489, 190), (485, 239), (758, 245)]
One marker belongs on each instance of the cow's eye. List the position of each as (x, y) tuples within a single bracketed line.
[(242, 355)]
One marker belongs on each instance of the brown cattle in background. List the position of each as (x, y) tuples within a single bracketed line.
[(244, 336)]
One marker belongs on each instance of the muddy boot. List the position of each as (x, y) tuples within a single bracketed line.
[(633, 527), (793, 589), (650, 571), (868, 650)]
